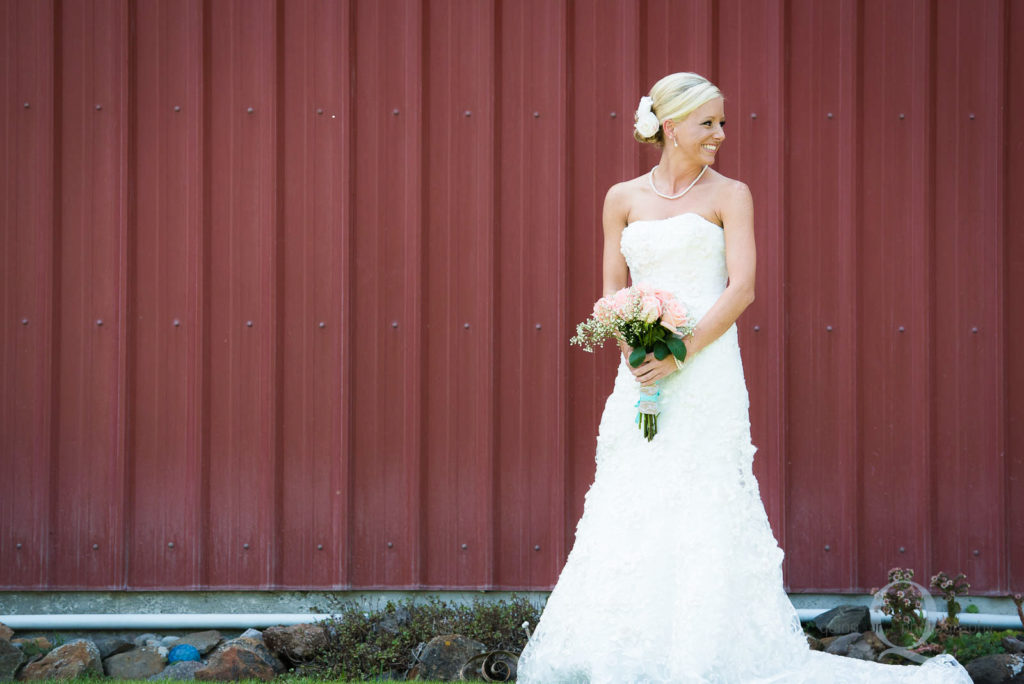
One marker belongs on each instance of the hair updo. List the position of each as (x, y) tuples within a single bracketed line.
[(675, 97)]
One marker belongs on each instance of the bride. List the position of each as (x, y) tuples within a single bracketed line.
[(675, 575)]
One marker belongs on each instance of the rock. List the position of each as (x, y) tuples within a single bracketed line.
[(444, 656), (203, 641), (6, 632), (841, 645), (861, 648), (1013, 645), (245, 657), (74, 659), (11, 658), (825, 642), (169, 641), (234, 662), (843, 620), (1000, 668), (35, 645), (296, 643), (393, 622), (144, 639), (183, 670), (877, 645), (182, 652), (112, 645), (139, 663)]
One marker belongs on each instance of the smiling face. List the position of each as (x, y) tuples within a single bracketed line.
[(700, 134)]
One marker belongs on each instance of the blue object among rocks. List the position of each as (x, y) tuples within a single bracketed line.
[(182, 653)]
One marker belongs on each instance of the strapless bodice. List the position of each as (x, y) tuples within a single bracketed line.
[(683, 254)]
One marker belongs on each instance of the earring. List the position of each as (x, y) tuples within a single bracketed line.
[(674, 143)]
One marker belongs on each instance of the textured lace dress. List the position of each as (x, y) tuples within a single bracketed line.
[(675, 575)]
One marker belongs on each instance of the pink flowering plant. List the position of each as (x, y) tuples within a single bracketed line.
[(651, 321), (950, 588), (902, 601)]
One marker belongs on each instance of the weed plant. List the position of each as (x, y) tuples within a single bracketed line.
[(968, 646), (382, 644)]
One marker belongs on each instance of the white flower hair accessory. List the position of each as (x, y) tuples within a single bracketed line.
[(647, 123)]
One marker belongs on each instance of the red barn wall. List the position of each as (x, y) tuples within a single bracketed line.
[(287, 285)]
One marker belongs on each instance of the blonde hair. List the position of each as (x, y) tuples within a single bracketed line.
[(675, 97)]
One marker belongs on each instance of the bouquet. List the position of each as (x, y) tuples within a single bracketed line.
[(649, 320)]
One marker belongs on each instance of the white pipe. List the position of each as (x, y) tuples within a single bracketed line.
[(157, 620), (164, 621), (994, 620)]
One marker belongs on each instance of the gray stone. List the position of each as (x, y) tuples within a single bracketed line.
[(843, 620), (861, 649), (1000, 668), (74, 659), (6, 632), (1013, 645), (444, 656), (184, 671), (862, 646), (295, 643), (251, 634), (11, 659), (139, 663), (203, 641), (144, 639), (169, 641), (112, 645), (841, 645), (393, 622)]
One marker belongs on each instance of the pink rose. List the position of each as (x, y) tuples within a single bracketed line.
[(674, 315), (621, 300), (650, 308)]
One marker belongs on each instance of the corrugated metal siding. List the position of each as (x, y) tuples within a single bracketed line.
[(287, 286)]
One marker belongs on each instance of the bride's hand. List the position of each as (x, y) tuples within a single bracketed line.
[(652, 370)]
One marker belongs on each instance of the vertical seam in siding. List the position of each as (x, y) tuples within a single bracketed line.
[(275, 548), (129, 295), (930, 471), (55, 336), (852, 580), (203, 301), (1004, 280), (714, 32), (560, 536), (347, 383), (1003, 320), (563, 309), (495, 412), (783, 439), (419, 534)]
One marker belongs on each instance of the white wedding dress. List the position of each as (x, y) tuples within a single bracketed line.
[(675, 575)]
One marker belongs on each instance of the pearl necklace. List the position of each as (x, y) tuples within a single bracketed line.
[(672, 197)]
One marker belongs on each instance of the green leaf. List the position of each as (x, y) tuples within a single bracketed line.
[(660, 350), (677, 347), (637, 356)]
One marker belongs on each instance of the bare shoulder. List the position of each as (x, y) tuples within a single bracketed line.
[(734, 200), (617, 203)]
